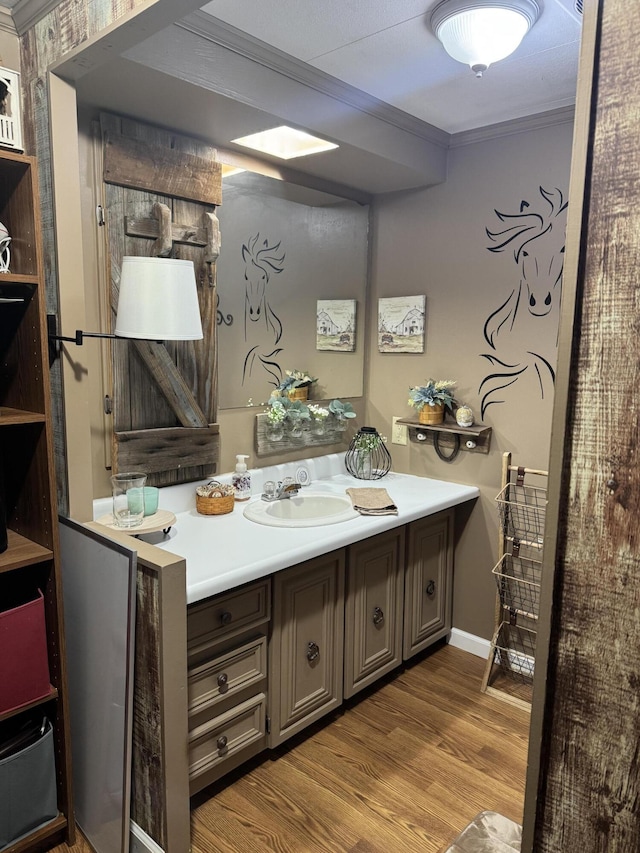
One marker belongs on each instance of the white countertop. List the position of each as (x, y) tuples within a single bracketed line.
[(225, 551)]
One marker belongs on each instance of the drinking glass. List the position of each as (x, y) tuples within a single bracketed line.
[(128, 498)]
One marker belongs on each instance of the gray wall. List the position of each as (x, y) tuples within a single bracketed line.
[(434, 242)]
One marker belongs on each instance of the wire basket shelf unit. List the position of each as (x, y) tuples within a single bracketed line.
[(518, 582), (522, 510), (522, 505), (515, 652)]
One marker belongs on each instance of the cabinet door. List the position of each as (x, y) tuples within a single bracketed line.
[(428, 582), (305, 654), (373, 609)]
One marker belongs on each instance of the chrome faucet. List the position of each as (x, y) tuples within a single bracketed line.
[(281, 490)]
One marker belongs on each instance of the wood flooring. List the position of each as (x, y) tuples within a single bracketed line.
[(402, 770)]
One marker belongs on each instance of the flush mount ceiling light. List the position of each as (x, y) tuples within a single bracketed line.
[(479, 32), (285, 142)]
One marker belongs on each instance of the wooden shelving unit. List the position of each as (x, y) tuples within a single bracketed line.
[(31, 560)]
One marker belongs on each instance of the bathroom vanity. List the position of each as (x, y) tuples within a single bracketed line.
[(271, 657), (285, 623)]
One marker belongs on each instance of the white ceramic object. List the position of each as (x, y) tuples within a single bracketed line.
[(464, 416), (308, 510)]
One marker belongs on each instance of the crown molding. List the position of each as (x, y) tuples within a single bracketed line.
[(218, 32), (561, 115), (27, 13), (7, 24)]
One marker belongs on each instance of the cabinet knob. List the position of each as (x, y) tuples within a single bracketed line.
[(313, 651), (431, 587), (378, 616), (223, 679), (221, 743), (226, 617)]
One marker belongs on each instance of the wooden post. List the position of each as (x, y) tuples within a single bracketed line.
[(584, 791)]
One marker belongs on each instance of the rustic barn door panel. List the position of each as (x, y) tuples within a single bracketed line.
[(160, 195)]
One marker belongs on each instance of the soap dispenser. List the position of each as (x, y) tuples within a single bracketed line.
[(241, 479)]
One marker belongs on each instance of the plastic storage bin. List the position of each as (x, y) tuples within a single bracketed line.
[(24, 665)]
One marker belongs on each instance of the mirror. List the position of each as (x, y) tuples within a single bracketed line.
[(285, 248)]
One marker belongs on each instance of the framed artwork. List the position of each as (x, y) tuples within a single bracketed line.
[(336, 325), (401, 322), (10, 110)]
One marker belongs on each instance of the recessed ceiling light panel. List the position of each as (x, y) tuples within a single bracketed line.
[(285, 142)]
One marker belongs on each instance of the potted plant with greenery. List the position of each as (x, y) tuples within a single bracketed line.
[(285, 414), (276, 418), (431, 400), (319, 416), (296, 384), (367, 457), (341, 413)]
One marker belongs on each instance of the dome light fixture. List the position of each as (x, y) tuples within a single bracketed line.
[(479, 32)]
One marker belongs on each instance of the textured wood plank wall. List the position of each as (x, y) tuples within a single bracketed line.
[(589, 798), (65, 27)]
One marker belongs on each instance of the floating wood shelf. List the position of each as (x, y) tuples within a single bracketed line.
[(266, 446), (479, 433)]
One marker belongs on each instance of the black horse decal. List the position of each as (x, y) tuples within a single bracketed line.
[(537, 241), (262, 326)]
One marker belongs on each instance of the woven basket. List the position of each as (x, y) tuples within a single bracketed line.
[(431, 414), (214, 506), (299, 393)]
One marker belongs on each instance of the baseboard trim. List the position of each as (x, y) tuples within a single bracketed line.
[(140, 842), (469, 643)]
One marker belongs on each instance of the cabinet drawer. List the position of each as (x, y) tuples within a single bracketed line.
[(220, 680), (225, 615), (225, 738)]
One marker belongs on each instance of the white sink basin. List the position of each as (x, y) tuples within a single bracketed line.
[(303, 510)]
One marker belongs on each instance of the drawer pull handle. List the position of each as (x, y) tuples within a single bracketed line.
[(378, 616), (226, 617), (431, 587), (221, 743), (313, 651), (223, 679)]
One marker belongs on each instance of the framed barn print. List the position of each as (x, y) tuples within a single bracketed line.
[(336, 325), (401, 321)]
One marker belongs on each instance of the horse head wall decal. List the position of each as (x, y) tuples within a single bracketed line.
[(262, 326), (537, 240)]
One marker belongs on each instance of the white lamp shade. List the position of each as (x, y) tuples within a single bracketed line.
[(158, 300), (479, 32)]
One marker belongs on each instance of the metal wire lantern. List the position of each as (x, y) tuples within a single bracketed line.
[(367, 457)]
